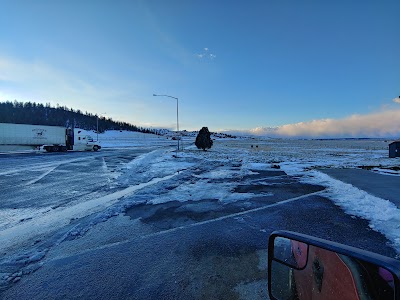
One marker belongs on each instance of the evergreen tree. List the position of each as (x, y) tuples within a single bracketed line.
[(39, 114), (203, 139)]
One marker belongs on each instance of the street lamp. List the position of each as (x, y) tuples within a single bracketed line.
[(97, 127), (177, 116)]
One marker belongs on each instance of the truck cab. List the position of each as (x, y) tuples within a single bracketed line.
[(84, 142)]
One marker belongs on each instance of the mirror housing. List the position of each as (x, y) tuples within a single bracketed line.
[(305, 267)]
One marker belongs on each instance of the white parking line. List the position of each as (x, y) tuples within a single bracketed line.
[(42, 176), (193, 225), (61, 216), (236, 214), (40, 166)]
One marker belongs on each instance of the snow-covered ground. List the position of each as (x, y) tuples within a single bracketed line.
[(300, 158), (112, 139), (142, 177)]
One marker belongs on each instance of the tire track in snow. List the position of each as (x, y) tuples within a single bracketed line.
[(62, 216), (38, 168), (41, 166)]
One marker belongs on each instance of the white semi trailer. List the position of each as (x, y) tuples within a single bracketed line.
[(49, 138)]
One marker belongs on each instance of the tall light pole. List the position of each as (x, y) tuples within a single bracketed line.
[(177, 116), (97, 127)]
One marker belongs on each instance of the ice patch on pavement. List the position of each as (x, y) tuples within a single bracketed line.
[(218, 174), (223, 172), (258, 166), (61, 216), (158, 163), (22, 263), (11, 217), (143, 161), (201, 190)]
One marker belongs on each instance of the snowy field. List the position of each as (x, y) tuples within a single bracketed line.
[(136, 168), (117, 139)]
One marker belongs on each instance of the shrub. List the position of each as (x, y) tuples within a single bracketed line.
[(203, 139)]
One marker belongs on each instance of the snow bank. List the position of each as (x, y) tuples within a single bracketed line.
[(383, 215)]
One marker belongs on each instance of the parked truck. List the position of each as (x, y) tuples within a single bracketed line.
[(49, 138)]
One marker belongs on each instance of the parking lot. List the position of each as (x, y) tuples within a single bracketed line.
[(203, 247)]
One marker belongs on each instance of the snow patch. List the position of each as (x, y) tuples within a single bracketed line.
[(383, 215), (61, 216)]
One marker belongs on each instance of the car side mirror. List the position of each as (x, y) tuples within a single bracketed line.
[(304, 267)]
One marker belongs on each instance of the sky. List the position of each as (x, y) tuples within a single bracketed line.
[(279, 68)]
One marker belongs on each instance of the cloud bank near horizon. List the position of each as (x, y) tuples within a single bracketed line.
[(379, 124)]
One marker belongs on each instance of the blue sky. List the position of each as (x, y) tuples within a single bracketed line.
[(268, 64)]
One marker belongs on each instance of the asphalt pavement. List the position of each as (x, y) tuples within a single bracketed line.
[(379, 185), (187, 250)]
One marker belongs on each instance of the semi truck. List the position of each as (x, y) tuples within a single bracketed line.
[(49, 138)]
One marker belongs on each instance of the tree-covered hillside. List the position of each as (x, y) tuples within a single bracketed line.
[(39, 114)]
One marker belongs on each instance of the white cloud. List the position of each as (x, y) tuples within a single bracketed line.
[(379, 124), (397, 100), (206, 54), (38, 81)]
